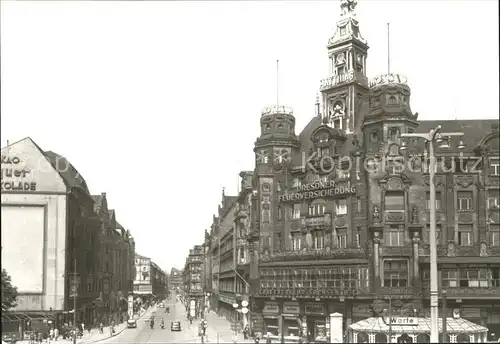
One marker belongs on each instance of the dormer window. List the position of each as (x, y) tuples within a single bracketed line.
[(280, 126), (393, 100), (343, 31), (374, 136), (267, 127)]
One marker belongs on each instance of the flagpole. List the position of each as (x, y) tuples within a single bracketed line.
[(388, 50)]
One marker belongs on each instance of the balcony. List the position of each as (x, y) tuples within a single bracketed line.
[(467, 292), (399, 291), (314, 293), (453, 250), (338, 253)]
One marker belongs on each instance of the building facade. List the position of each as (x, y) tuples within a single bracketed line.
[(150, 281), (194, 278), (175, 279), (223, 258), (350, 226), (64, 260)]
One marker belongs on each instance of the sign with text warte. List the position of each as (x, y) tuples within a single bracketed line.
[(15, 177), (404, 321), (318, 189)]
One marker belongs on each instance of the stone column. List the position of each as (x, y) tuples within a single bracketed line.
[(376, 262), (416, 270)]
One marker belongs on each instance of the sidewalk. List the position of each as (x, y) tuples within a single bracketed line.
[(219, 330), (95, 335)]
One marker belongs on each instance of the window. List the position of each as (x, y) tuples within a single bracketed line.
[(494, 166), (426, 278), (341, 207), (493, 199), (394, 236), (318, 239), (277, 242), (394, 200), (495, 235), (280, 213), (426, 234), (296, 242), (465, 235), (266, 216), (296, 182), (325, 151), (395, 273), (341, 174), (449, 278), (393, 134), (473, 277), (359, 205), (337, 123), (342, 238), (464, 200), (316, 209), (395, 166), (358, 237), (438, 200), (374, 136), (296, 211)]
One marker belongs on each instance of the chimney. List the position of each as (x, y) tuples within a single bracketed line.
[(8, 142)]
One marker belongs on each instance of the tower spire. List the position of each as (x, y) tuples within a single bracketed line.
[(277, 83), (388, 50)]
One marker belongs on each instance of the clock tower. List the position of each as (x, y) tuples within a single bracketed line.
[(346, 85)]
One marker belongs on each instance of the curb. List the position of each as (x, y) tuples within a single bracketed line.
[(114, 335)]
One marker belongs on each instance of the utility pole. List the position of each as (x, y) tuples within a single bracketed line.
[(390, 319), (75, 293), (445, 313)]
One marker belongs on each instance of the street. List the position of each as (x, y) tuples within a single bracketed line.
[(144, 334)]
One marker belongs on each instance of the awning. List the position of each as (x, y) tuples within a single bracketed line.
[(23, 316), (423, 325)]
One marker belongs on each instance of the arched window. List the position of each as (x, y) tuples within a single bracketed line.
[(463, 338), (380, 338), (363, 338), (423, 338)]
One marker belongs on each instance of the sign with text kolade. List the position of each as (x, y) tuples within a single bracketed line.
[(271, 308), (314, 308), (291, 308), (318, 189), (14, 176)]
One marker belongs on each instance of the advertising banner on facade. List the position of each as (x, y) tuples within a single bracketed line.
[(130, 306), (74, 285)]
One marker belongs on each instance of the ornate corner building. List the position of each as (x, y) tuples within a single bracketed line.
[(335, 219)]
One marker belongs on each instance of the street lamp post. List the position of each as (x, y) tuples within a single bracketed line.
[(244, 311), (433, 136)]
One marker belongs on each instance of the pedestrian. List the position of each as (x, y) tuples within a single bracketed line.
[(268, 340), (101, 328), (245, 332), (56, 333), (88, 328)]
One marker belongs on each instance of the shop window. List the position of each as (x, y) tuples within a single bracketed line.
[(394, 236), (394, 200), (465, 235), (493, 199), (291, 327), (426, 234), (463, 338), (495, 235), (342, 238), (271, 326), (464, 200), (362, 338), (438, 200), (341, 207), (296, 211), (395, 273)]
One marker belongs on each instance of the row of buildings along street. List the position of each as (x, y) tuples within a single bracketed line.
[(329, 235), (61, 243)]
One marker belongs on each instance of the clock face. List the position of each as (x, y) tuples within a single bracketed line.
[(340, 58)]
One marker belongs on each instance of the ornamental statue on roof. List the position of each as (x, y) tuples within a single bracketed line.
[(348, 6)]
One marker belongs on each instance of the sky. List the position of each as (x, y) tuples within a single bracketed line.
[(158, 103)]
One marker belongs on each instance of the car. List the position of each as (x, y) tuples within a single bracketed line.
[(175, 326), (131, 323), (161, 305)]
